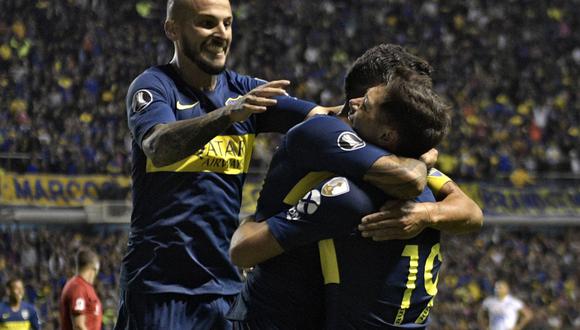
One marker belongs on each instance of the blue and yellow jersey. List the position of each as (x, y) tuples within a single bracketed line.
[(287, 289), (23, 319), (185, 213), (368, 285)]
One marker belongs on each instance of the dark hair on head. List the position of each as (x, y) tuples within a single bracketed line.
[(376, 66), (85, 258), (420, 117)]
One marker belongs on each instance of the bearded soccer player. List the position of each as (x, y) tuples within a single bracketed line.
[(193, 125), (290, 285), (80, 307), (16, 314)]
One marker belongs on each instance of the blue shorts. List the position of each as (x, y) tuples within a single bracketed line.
[(173, 311)]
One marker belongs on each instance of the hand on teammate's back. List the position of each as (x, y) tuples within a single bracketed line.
[(257, 100), (396, 220)]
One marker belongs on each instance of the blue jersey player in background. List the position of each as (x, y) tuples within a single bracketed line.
[(294, 278), (16, 314), (193, 125)]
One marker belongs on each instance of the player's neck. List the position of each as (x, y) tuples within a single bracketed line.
[(15, 304), (193, 75), (343, 115), (88, 275)]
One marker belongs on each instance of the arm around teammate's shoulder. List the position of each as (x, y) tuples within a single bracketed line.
[(167, 143), (455, 213), (400, 177)]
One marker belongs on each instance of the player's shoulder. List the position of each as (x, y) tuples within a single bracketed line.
[(514, 300), (3, 306), (28, 306), (243, 82), (319, 123), (154, 77), (74, 284)]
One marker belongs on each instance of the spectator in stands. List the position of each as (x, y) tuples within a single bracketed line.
[(63, 73)]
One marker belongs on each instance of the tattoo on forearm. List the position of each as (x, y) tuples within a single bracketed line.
[(183, 138)]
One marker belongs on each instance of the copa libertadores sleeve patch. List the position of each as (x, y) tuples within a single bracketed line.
[(349, 141), (141, 100)]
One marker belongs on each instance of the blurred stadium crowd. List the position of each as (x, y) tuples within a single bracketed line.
[(510, 68), (540, 265), (44, 258)]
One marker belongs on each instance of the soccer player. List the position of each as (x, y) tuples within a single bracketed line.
[(16, 314), (80, 307), (506, 312), (193, 125), (285, 292)]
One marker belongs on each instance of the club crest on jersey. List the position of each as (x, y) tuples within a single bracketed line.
[(335, 187), (141, 100), (232, 100), (309, 203), (79, 304), (349, 141), (25, 314)]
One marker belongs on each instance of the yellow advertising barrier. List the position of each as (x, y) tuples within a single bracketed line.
[(56, 190)]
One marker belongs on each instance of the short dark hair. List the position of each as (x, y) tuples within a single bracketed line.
[(376, 66), (420, 117), (85, 258)]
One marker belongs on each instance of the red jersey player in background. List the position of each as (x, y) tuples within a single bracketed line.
[(80, 307)]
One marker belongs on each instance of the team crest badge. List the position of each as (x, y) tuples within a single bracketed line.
[(141, 100), (309, 203), (335, 187), (349, 141), (25, 314)]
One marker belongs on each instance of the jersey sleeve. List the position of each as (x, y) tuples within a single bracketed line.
[(34, 319), (485, 304), (436, 180), (325, 143), (78, 301), (332, 209), (147, 105), (289, 111), (518, 304)]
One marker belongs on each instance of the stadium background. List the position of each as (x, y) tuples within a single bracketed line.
[(510, 68)]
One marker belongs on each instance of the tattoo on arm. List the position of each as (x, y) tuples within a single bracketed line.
[(169, 143)]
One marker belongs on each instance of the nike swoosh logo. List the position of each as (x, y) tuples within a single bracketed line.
[(185, 106)]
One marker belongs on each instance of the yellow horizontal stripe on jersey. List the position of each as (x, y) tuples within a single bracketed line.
[(436, 180), (328, 261), (15, 325), (305, 184), (227, 154)]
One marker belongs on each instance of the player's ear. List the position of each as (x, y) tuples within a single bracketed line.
[(389, 139), (170, 29)]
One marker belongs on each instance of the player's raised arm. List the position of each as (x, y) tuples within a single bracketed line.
[(168, 143)]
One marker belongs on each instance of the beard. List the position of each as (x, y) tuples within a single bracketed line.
[(202, 63)]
